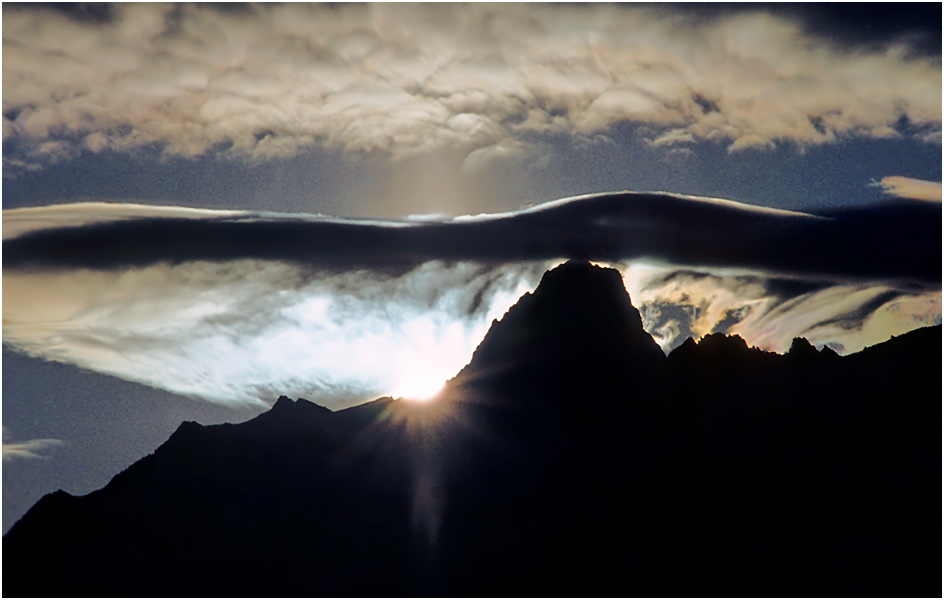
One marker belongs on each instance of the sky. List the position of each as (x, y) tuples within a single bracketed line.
[(208, 206)]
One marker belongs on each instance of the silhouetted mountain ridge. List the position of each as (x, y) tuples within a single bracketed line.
[(569, 458), (578, 312)]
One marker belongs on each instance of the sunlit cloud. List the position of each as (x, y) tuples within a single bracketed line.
[(487, 82), (247, 332), (18, 221), (27, 449), (244, 307), (768, 312), (908, 187)]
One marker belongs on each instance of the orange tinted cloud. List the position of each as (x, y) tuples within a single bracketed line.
[(27, 449), (406, 80), (907, 187)]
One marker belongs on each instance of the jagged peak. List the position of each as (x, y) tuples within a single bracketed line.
[(583, 282), (714, 342), (283, 403), (721, 340), (578, 307), (802, 347), (574, 265), (569, 275), (802, 352), (718, 349), (186, 427), (285, 406)]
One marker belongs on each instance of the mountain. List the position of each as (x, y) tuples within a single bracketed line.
[(569, 458), (578, 315), (123, 422)]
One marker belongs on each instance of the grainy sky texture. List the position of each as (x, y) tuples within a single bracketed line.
[(231, 202)]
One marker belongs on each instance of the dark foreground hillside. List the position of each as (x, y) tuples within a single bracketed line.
[(569, 458)]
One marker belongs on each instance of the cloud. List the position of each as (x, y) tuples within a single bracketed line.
[(400, 80), (678, 229), (18, 221), (28, 449), (768, 312), (13, 167), (246, 332), (243, 308), (915, 189)]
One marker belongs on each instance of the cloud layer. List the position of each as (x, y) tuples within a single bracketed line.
[(249, 331), (683, 230), (244, 308), (770, 311), (486, 82), (18, 221)]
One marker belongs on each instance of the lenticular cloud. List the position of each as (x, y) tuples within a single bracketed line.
[(242, 308)]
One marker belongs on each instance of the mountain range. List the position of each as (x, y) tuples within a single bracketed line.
[(570, 457)]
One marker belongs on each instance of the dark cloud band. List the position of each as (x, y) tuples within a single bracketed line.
[(892, 242)]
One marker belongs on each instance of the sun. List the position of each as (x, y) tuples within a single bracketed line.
[(419, 384)]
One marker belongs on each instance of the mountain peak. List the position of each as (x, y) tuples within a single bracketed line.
[(717, 351), (299, 413), (286, 405), (283, 403), (583, 276), (570, 426), (579, 318), (576, 267)]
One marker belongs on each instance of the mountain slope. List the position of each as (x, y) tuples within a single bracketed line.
[(106, 423), (570, 457)]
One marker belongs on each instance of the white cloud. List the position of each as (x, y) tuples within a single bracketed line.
[(27, 449), (247, 332), (750, 140), (411, 80), (907, 187), (17, 221), (672, 137), (836, 314)]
